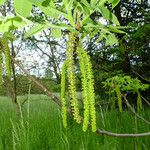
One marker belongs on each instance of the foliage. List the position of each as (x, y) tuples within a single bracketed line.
[(87, 25), (10, 23), (131, 55), (125, 84)]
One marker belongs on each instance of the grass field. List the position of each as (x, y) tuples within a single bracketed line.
[(44, 131)]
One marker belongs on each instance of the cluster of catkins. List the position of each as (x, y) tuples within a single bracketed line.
[(68, 73)]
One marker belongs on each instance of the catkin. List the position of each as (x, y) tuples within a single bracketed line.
[(86, 105), (7, 56), (1, 66), (88, 89), (139, 101), (118, 93), (71, 78), (87, 85), (63, 95), (91, 93)]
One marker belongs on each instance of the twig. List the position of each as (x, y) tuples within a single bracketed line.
[(145, 100), (133, 111), (141, 77), (23, 102)]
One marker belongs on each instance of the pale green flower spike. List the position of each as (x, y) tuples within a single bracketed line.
[(88, 89), (118, 93), (87, 86), (7, 56), (86, 105), (139, 101), (91, 93), (1, 71), (71, 78), (63, 95)]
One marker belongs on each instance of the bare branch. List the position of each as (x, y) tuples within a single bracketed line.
[(140, 77), (125, 135), (145, 100), (133, 111)]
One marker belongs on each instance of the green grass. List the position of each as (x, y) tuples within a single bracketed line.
[(45, 130)]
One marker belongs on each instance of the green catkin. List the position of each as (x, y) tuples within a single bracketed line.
[(87, 86), (90, 104), (63, 95), (7, 56), (118, 93), (1, 66), (91, 93), (71, 78), (139, 101), (84, 89)]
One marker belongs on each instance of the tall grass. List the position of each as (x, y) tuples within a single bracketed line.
[(45, 130)]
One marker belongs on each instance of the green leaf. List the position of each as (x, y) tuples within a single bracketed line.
[(101, 2), (100, 38), (114, 2), (56, 29), (34, 30), (22, 7), (10, 36), (86, 4), (48, 7), (111, 39), (61, 26), (108, 15), (56, 33), (69, 7), (92, 34), (37, 2), (92, 25), (115, 29), (2, 2), (11, 23)]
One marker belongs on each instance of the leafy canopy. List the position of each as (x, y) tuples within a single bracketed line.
[(68, 10)]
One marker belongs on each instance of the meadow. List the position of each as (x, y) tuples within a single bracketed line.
[(40, 128)]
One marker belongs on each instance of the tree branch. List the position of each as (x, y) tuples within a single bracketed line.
[(43, 88), (141, 78), (125, 135), (57, 101), (133, 111), (145, 100)]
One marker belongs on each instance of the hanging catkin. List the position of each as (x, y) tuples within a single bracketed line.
[(73, 51), (63, 95), (1, 65), (139, 101), (118, 93), (91, 93), (7, 56), (71, 78), (86, 105), (88, 89)]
